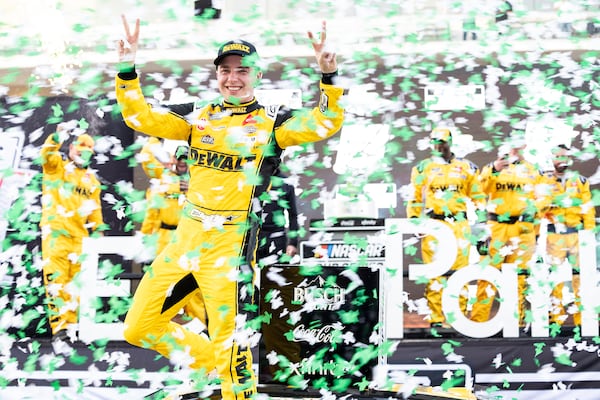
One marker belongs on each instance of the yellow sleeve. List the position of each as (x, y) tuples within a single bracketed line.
[(140, 116), (151, 223), (51, 157), (587, 206), (477, 195), (485, 179), (315, 124), (96, 216), (415, 204), (150, 164)]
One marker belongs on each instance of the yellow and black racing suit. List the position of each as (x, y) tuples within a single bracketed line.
[(570, 211), (234, 150), (442, 190), (70, 210), (515, 196)]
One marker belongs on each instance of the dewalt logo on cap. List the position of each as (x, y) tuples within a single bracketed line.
[(238, 47)]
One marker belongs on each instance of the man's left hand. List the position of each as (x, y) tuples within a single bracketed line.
[(325, 58)]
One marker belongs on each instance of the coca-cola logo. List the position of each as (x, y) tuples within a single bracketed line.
[(314, 335)]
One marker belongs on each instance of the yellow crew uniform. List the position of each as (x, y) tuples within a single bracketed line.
[(570, 211), (513, 204), (164, 197), (441, 190), (70, 210)]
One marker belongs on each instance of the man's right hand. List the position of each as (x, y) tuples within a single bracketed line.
[(501, 163), (183, 185), (127, 50)]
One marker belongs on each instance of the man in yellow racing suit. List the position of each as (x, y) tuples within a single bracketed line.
[(71, 209), (235, 147), (570, 211), (516, 193), (165, 196), (442, 187)]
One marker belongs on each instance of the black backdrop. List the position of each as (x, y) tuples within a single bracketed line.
[(409, 124)]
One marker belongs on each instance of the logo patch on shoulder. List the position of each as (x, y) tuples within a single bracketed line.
[(271, 111)]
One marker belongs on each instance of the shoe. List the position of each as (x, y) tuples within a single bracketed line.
[(436, 325)]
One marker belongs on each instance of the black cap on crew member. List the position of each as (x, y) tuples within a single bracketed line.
[(181, 152)]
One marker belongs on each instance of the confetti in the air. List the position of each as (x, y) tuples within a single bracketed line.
[(356, 277)]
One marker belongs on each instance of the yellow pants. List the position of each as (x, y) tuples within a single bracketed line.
[(433, 291), (61, 265), (195, 307), (561, 247), (216, 263), (520, 238)]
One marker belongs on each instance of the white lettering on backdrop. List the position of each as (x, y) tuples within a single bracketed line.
[(505, 279)]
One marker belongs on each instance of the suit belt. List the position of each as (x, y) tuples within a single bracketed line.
[(561, 230), (503, 219), (167, 226), (459, 216)]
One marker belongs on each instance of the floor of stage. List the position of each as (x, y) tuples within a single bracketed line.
[(519, 368)]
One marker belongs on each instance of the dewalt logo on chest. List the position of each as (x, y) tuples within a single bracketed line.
[(219, 161)]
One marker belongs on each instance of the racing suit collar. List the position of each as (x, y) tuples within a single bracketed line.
[(442, 160), (242, 108)]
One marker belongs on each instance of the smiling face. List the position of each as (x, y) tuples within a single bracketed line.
[(561, 159), (442, 149), (236, 80), (181, 166)]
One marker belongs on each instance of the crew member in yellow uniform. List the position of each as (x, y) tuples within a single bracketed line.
[(71, 209), (235, 147), (570, 211), (442, 187), (515, 190), (169, 180), (166, 194)]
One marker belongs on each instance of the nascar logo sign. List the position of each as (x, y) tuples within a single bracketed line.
[(337, 253)]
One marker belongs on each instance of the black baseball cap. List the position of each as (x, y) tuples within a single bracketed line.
[(181, 152), (239, 47)]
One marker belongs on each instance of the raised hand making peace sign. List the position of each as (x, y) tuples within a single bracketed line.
[(128, 47), (325, 58)]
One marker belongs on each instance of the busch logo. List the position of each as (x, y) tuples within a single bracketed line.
[(318, 297)]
